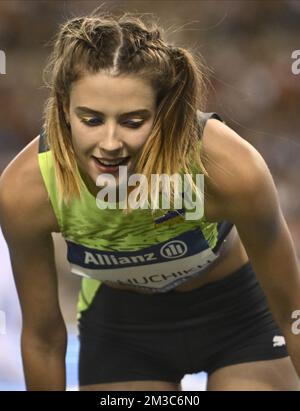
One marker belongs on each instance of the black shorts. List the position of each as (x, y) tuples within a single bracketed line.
[(128, 336)]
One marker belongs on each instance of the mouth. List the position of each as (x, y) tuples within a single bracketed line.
[(110, 165)]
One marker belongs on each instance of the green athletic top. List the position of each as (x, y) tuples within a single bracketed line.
[(137, 249)]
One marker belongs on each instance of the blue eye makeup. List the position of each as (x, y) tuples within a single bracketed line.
[(92, 122), (134, 124)]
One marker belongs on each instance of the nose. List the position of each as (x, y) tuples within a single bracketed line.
[(110, 143)]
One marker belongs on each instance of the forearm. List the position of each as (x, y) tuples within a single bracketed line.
[(293, 346), (44, 364), (275, 263), (283, 298), (283, 303)]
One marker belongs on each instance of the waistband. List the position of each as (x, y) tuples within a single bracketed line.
[(113, 308), (231, 280)]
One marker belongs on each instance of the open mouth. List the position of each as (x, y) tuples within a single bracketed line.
[(110, 165)]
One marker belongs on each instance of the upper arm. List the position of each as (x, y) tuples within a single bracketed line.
[(247, 197), (25, 228), (257, 215), (227, 158), (243, 184)]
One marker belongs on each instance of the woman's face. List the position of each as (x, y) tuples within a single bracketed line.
[(111, 119)]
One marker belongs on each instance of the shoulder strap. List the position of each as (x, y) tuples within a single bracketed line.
[(43, 145), (203, 117)]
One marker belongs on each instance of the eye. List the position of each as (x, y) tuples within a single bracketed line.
[(91, 122), (134, 124), (94, 121)]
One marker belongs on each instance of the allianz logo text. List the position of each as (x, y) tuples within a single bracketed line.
[(172, 249)]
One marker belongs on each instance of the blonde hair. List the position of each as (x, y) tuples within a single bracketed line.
[(126, 45)]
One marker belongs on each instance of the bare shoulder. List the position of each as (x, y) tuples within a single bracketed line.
[(235, 168), (27, 221), (24, 201)]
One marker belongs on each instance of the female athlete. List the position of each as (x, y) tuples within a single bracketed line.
[(162, 295)]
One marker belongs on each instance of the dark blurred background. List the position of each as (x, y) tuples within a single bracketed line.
[(247, 46)]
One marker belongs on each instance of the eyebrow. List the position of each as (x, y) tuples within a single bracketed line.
[(87, 110)]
